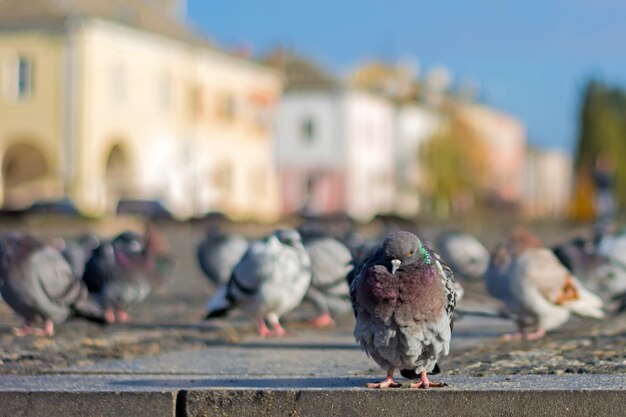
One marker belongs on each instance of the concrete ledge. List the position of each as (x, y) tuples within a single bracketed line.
[(291, 395), (92, 404), (374, 403)]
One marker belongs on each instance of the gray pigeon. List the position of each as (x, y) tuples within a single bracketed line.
[(270, 280), (122, 272), (331, 261), (78, 251), (403, 298), (465, 255), (218, 254), (39, 285), (538, 292)]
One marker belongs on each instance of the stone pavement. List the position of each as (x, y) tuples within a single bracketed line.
[(309, 373)]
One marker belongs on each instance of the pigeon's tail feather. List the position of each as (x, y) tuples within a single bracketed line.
[(587, 305), (87, 308), (219, 305), (411, 374)]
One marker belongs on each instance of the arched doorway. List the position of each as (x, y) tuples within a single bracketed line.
[(118, 178), (26, 176)]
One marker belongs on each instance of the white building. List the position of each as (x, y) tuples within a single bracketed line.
[(548, 183), (334, 145), (414, 125)]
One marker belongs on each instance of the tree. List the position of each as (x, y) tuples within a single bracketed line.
[(454, 163), (602, 129)]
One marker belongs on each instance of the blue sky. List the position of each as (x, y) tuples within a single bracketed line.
[(531, 57)]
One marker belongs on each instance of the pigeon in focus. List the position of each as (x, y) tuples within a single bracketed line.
[(464, 253), (122, 272), (331, 261), (38, 284), (270, 280), (537, 290), (403, 298), (218, 254)]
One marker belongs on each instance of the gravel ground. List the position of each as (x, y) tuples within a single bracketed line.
[(171, 320)]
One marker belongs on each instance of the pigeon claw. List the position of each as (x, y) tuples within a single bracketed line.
[(23, 331), (425, 383), (277, 330), (122, 316), (386, 383), (323, 321)]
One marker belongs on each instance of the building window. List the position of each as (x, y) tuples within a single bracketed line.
[(24, 77), (307, 130), (18, 76)]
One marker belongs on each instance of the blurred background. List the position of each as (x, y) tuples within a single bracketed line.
[(256, 111)]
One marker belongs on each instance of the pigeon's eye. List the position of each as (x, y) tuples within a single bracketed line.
[(410, 253)]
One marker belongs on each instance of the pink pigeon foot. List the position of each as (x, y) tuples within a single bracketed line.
[(426, 383), (386, 383), (25, 330), (48, 328), (262, 328), (122, 316), (109, 315), (515, 336), (537, 334), (323, 321), (278, 330)]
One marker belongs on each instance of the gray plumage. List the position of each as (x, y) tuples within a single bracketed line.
[(331, 261), (270, 280), (38, 283), (122, 272), (464, 254), (536, 289), (78, 251), (218, 253), (403, 298)]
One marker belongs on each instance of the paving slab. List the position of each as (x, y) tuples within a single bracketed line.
[(208, 395)]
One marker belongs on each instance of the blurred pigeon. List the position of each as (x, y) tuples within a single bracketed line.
[(331, 261), (218, 254), (403, 298), (270, 280), (122, 272), (464, 253), (78, 251), (535, 287), (38, 284)]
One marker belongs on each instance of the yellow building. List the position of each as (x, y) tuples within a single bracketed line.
[(102, 100)]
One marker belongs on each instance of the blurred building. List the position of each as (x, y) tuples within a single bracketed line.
[(505, 142), (334, 143), (414, 124), (548, 183), (103, 100), (415, 121)]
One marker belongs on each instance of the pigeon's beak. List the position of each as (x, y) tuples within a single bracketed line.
[(395, 264)]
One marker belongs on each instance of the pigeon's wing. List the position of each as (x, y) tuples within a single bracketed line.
[(355, 277), (100, 268), (60, 288), (76, 256), (543, 270), (256, 266), (331, 261), (447, 278)]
